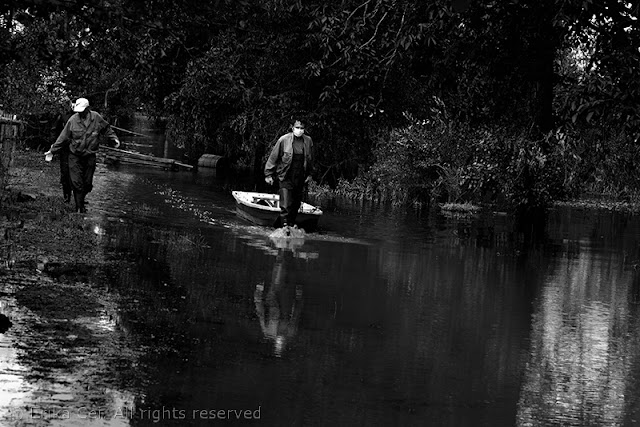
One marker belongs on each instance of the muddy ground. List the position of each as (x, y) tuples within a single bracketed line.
[(64, 357)]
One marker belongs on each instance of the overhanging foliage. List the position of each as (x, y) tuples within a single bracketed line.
[(228, 74)]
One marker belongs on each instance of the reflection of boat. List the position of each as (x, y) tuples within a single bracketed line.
[(264, 209)]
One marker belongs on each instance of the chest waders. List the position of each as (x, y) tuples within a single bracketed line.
[(291, 190)]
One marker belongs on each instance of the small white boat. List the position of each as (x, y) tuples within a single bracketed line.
[(264, 209)]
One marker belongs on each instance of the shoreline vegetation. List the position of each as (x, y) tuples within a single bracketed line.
[(42, 232), (591, 201), (32, 195), (50, 223)]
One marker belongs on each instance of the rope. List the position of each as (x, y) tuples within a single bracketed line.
[(131, 132)]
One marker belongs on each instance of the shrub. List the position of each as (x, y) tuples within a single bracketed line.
[(435, 162)]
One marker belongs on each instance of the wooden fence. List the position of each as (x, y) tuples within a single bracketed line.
[(10, 130)]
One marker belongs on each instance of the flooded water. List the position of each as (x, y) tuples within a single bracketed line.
[(382, 317)]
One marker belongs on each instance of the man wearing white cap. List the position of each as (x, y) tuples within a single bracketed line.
[(83, 133)]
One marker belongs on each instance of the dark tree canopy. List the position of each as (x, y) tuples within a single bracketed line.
[(227, 73)]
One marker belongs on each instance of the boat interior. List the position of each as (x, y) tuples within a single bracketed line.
[(273, 203)]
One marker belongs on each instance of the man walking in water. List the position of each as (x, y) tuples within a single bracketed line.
[(291, 162), (82, 133)]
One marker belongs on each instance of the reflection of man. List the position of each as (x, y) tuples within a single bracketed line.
[(279, 310)]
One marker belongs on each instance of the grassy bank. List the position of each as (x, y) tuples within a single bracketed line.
[(41, 226)]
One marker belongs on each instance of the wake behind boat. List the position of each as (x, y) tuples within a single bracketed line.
[(264, 209)]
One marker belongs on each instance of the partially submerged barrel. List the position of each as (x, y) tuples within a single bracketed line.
[(212, 161)]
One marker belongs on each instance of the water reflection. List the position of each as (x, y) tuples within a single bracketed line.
[(14, 388), (429, 323), (279, 303), (60, 366), (392, 319), (585, 341), (428, 332)]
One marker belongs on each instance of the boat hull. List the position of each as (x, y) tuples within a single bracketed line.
[(269, 216)]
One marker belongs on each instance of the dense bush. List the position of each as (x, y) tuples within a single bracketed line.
[(608, 163), (438, 162)]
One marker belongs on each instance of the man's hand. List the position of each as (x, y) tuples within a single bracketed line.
[(308, 180), (48, 156), (117, 145), (269, 180)]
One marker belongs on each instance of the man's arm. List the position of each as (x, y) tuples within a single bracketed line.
[(64, 136), (108, 132), (310, 165), (272, 161)]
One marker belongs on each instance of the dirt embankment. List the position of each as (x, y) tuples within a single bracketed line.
[(51, 229), (61, 348)]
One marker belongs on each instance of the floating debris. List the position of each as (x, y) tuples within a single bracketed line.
[(460, 207)]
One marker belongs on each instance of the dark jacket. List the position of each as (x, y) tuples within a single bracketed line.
[(60, 121), (84, 138), (282, 153)]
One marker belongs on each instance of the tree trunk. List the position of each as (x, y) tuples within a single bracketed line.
[(543, 47), (258, 166), (544, 84)]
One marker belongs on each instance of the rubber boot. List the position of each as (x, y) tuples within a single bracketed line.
[(76, 198), (79, 199), (83, 207), (285, 204)]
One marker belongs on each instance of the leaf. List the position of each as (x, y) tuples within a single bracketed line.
[(589, 116)]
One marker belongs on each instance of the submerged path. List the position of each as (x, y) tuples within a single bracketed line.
[(64, 357)]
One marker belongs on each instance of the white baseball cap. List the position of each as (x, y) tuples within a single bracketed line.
[(80, 105)]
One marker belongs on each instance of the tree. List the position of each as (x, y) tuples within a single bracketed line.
[(228, 73)]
